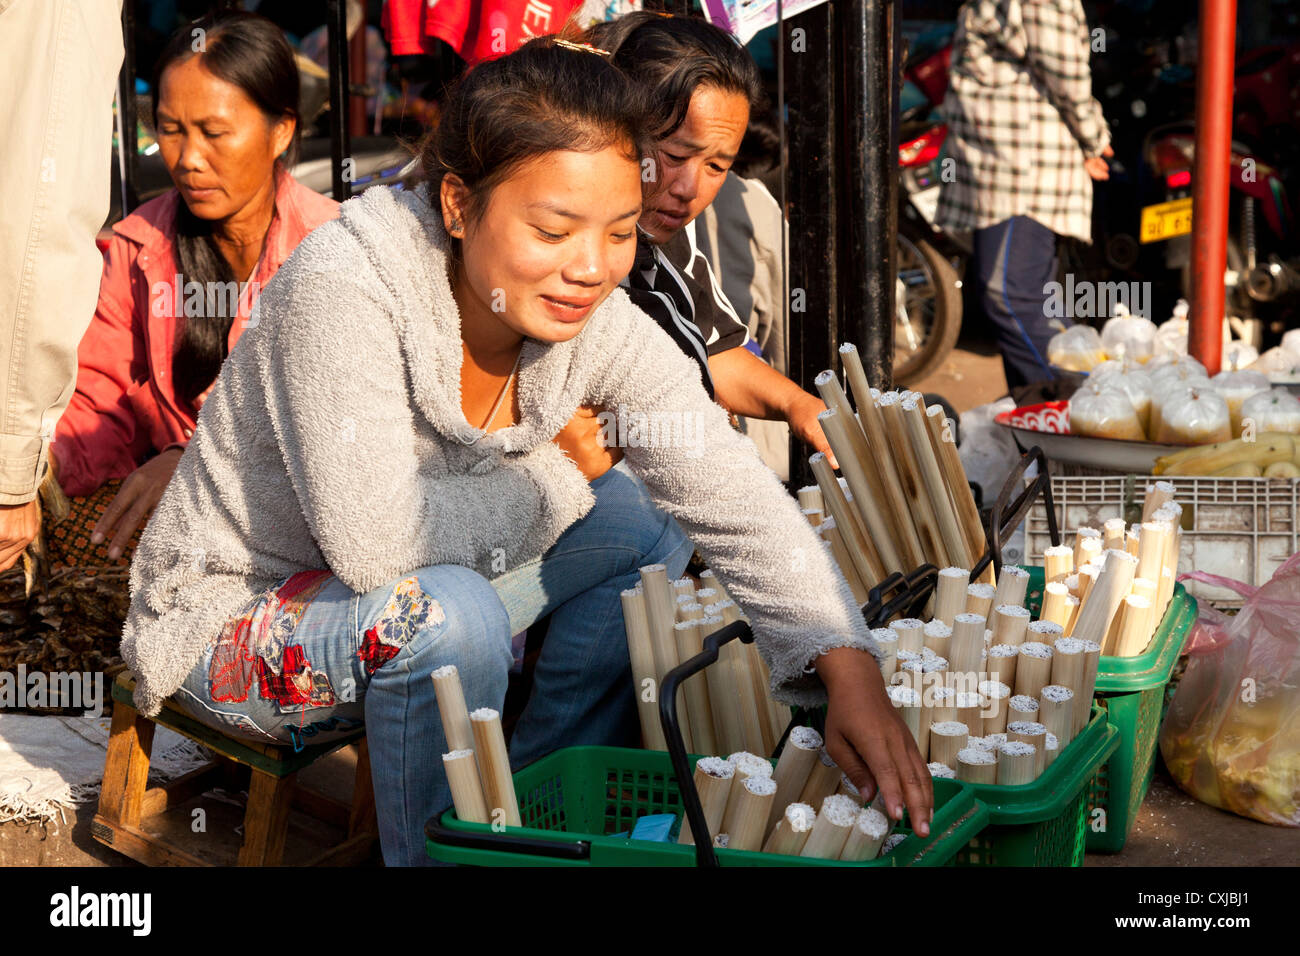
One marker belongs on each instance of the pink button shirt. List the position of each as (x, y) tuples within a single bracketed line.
[(125, 409)]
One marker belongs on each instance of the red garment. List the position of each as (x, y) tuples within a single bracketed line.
[(476, 29), (125, 408)]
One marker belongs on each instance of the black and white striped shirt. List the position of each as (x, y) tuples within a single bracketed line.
[(667, 283)]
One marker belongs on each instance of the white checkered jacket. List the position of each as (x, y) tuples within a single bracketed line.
[(1021, 117)]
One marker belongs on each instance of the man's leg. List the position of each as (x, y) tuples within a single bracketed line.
[(1013, 262)]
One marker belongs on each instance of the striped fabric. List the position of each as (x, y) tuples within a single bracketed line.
[(696, 315), (1021, 117)]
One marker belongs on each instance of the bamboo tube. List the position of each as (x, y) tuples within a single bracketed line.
[(887, 641), (1165, 592), (1033, 733), (494, 765), (979, 599), (729, 712), (938, 637), (1051, 748), (913, 484), (747, 813), (954, 476), (1072, 605), (689, 609), (830, 530), (708, 598), (873, 426), (847, 788), (1045, 632), (1017, 764), (941, 770), (1071, 583), (1087, 578), (451, 708), (713, 779), (695, 689), (911, 634), (1114, 582), (908, 702), (814, 515), (1086, 540), (708, 579), (1157, 495), (870, 828), (1056, 712), (1054, 610), (943, 703), (661, 615), (1152, 547), (1133, 541), (752, 709), (1021, 708), (1114, 534), (1058, 562), (909, 673), (935, 672), (831, 831), (793, 826), (802, 748), (1002, 663), (970, 709), (810, 497), (1013, 585), (684, 586), (641, 652), (1009, 623), (995, 694), (1146, 588), (1083, 699), (946, 738), (966, 646), (822, 781), (1034, 670), (933, 483), (977, 766), (1136, 627), (854, 463), (950, 594), (466, 788), (1068, 670), (865, 558), (770, 723)]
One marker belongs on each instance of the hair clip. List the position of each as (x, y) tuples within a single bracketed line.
[(580, 47)]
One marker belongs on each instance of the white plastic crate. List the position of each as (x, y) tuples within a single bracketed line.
[(1241, 528)]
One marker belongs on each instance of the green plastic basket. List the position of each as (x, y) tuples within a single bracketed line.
[(1132, 692), (574, 801), (1043, 823)]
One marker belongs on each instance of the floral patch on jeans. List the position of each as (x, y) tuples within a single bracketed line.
[(407, 610), (258, 638), (296, 686)]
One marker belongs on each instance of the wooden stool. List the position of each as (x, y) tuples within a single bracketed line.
[(124, 801)]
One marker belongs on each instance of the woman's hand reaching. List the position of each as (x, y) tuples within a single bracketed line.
[(134, 500), (580, 439), (867, 738)]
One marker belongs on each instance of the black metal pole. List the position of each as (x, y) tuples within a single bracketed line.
[(809, 50), (128, 143), (340, 139), (870, 44)]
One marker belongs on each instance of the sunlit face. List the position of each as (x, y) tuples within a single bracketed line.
[(219, 146), (692, 163), (554, 240)]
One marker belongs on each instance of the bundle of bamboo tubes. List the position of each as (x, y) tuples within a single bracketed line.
[(904, 499), (477, 763), (804, 806), (989, 695), (726, 707), (1116, 582)]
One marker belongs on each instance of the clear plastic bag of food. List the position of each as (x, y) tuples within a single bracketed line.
[(1136, 384), (1232, 735), (1199, 416), (1276, 410), (1279, 364), (1238, 356), (1104, 412), (1077, 349), (1172, 334), (1236, 387), (1128, 336)]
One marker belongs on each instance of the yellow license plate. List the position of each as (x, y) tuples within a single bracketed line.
[(1166, 220)]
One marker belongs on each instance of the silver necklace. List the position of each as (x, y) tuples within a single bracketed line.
[(495, 408)]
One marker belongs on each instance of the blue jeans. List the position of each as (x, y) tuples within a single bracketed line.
[(1013, 262), (310, 660)]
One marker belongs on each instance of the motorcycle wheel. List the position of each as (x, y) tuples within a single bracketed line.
[(929, 320)]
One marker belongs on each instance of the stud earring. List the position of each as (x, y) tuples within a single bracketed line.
[(455, 227)]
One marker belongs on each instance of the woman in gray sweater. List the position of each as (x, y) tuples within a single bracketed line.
[(389, 475)]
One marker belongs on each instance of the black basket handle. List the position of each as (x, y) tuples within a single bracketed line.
[(1007, 515), (912, 591), (500, 843)]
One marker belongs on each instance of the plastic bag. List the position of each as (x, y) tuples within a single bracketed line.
[(1136, 384), (1077, 349), (1273, 411), (1232, 735), (1104, 412), (1197, 417), (1128, 336), (1236, 387), (1172, 334)]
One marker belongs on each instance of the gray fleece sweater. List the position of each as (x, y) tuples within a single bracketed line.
[(329, 442)]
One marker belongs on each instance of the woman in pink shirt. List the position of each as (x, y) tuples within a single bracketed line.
[(182, 273)]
